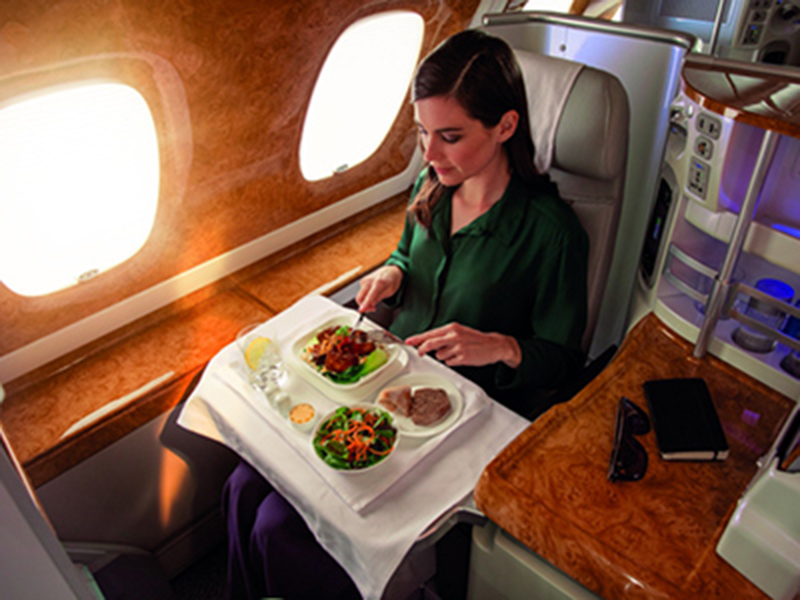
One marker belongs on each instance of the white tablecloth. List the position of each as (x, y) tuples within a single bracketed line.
[(368, 521)]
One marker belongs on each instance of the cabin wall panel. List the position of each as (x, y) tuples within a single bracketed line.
[(148, 490), (247, 70)]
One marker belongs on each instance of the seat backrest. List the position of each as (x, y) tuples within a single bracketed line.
[(579, 123)]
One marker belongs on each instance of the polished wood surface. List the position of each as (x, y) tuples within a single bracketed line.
[(654, 538), (145, 369), (747, 93), (236, 79)]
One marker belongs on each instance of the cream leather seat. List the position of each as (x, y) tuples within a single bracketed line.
[(579, 122)]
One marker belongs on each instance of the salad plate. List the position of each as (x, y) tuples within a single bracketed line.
[(417, 381), (355, 439), (362, 378)]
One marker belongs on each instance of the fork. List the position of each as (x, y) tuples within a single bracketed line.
[(379, 336)]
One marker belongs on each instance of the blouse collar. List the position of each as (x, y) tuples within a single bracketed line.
[(502, 220)]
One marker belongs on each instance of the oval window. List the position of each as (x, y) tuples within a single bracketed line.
[(79, 183), (359, 92)]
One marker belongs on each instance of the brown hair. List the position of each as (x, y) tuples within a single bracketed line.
[(480, 72)]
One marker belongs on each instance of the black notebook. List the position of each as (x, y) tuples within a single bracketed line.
[(685, 420)]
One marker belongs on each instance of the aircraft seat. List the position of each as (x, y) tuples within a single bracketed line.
[(579, 122)]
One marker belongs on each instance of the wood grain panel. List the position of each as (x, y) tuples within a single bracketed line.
[(654, 538), (144, 369), (346, 256), (247, 69), (136, 379)]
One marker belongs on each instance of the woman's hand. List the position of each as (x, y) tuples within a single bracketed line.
[(458, 345), (378, 285)]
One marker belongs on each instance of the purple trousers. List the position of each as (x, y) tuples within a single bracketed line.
[(271, 551)]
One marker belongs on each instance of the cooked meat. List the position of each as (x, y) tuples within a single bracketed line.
[(387, 404), (429, 406), (396, 399), (337, 351), (339, 362)]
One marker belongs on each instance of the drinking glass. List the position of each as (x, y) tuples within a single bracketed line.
[(262, 356)]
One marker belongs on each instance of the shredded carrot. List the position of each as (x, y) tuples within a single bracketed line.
[(356, 432), (381, 453)]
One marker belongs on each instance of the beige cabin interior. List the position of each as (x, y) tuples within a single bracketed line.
[(94, 374)]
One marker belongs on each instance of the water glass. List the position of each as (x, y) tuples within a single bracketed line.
[(262, 356)]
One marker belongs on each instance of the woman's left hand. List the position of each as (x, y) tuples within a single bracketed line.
[(458, 345)]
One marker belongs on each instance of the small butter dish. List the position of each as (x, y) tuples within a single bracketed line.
[(302, 416)]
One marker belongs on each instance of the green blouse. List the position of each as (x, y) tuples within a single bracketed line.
[(519, 269)]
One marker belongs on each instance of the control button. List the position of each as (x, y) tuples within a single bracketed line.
[(699, 173), (752, 34)]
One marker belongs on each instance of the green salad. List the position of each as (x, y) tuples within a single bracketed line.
[(355, 438)]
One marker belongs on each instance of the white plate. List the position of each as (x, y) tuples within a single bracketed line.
[(371, 408), (346, 393), (427, 380)]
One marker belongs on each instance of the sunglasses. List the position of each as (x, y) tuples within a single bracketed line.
[(628, 457)]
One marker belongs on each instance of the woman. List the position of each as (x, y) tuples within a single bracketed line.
[(490, 273), (489, 276)]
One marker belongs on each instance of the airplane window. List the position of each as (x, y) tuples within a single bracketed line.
[(610, 9), (79, 182), (561, 6), (359, 92)]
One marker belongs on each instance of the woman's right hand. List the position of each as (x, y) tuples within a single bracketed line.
[(378, 285)]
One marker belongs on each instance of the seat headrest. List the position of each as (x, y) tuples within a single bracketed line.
[(574, 111)]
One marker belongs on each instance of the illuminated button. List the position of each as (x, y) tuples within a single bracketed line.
[(699, 174), (752, 34)]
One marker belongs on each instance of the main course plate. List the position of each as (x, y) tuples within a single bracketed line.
[(427, 380), (345, 393)]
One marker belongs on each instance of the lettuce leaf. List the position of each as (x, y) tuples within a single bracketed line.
[(376, 359)]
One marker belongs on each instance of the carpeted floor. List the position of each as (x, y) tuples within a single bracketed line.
[(205, 580)]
